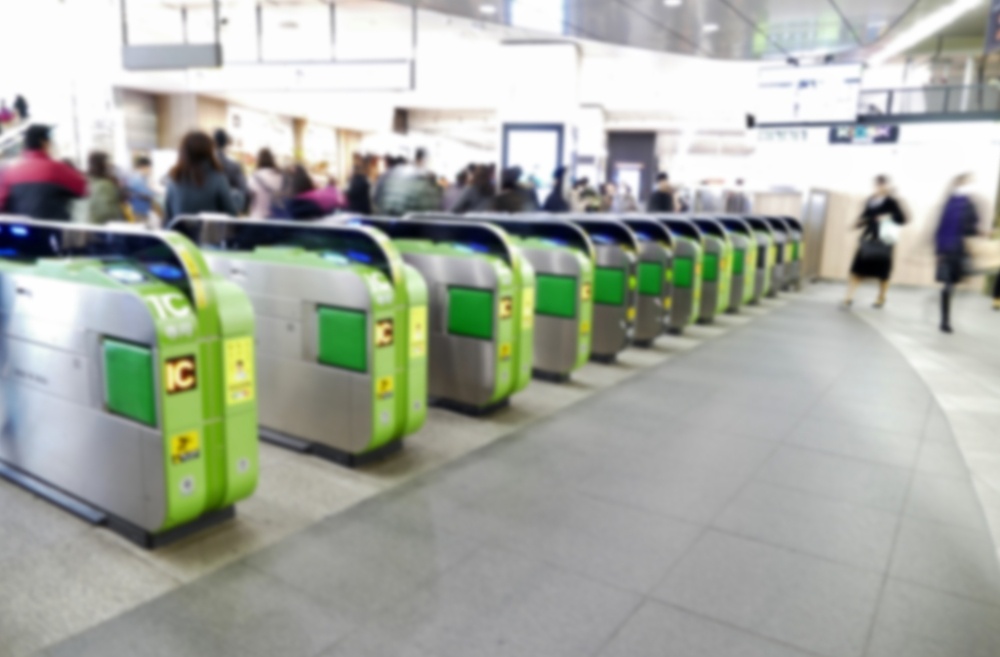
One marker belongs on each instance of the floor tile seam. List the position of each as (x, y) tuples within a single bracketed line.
[(640, 603), (827, 452), (858, 459), (803, 553), (893, 336), (739, 628), (829, 497), (894, 546), (709, 526), (994, 604)]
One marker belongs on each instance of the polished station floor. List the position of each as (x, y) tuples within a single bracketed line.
[(790, 488)]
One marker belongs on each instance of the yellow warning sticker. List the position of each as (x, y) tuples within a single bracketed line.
[(668, 303), (418, 332), (185, 447), (506, 308), (239, 371), (528, 308), (384, 330), (505, 351), (384, 387), (586, 292), (631, 314), (585, 327)]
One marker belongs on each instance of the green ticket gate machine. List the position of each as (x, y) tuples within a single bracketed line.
[(717, 272), (656, 276), (782, 246), (481, 309), (129, 393), (767, 257), (745, 253), (688, 258), (341, 332), (562, 256), (795, 264), (615, 292)]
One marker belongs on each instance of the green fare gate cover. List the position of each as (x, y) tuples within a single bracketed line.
[(227, 378)]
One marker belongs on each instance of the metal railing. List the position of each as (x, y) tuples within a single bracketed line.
[(937, 102)]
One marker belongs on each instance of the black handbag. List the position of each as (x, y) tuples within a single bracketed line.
[(876, 249)]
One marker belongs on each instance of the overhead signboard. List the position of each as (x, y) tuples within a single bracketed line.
[(790, 95), (865, 134)]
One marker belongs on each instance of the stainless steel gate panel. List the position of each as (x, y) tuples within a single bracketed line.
[(462, 369), (299, 396), (557, 339), (53, 424)]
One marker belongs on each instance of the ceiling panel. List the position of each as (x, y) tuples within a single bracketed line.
[(729, 29)]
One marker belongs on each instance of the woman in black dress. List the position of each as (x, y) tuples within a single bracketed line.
[(874, 256)]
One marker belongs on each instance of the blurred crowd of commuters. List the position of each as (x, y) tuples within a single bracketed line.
[(205, 179)]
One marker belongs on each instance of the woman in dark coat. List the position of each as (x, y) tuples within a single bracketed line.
[(958, 221), (874, 256), (197, 182)]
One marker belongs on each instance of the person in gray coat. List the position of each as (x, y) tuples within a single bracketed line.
[(197, 182), (234, 173)]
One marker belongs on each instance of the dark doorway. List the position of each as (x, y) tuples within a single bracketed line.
[(632, 161)]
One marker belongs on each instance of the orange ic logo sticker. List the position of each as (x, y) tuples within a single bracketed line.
[(384, 333), (506, 308), (182, 375)]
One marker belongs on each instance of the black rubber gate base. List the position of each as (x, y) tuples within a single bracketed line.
[(101, 518)]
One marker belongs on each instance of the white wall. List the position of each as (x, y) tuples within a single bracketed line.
[(921, 166)]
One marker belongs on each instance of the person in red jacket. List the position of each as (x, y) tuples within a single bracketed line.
[(36, 185)]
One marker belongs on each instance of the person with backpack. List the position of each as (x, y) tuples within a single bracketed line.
[(267, 200)]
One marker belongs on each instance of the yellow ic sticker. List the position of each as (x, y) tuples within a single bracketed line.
[(505, 351), (384, 333), (585, 327), (668, 303), (528, 308), (418, 332), (631, 314), (586, 292), (185, 447), (385, 387), (506, 308), (239, 371)]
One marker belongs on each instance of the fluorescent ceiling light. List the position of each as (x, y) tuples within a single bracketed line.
[(924, 28), (489, 10), (710, 28), (672, 3)]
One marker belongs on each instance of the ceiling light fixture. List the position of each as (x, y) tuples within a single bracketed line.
[(710, 28), (672, 3), (925, 28), (489, 10)]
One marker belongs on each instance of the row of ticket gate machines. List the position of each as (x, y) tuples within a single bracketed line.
[(140, 368)]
